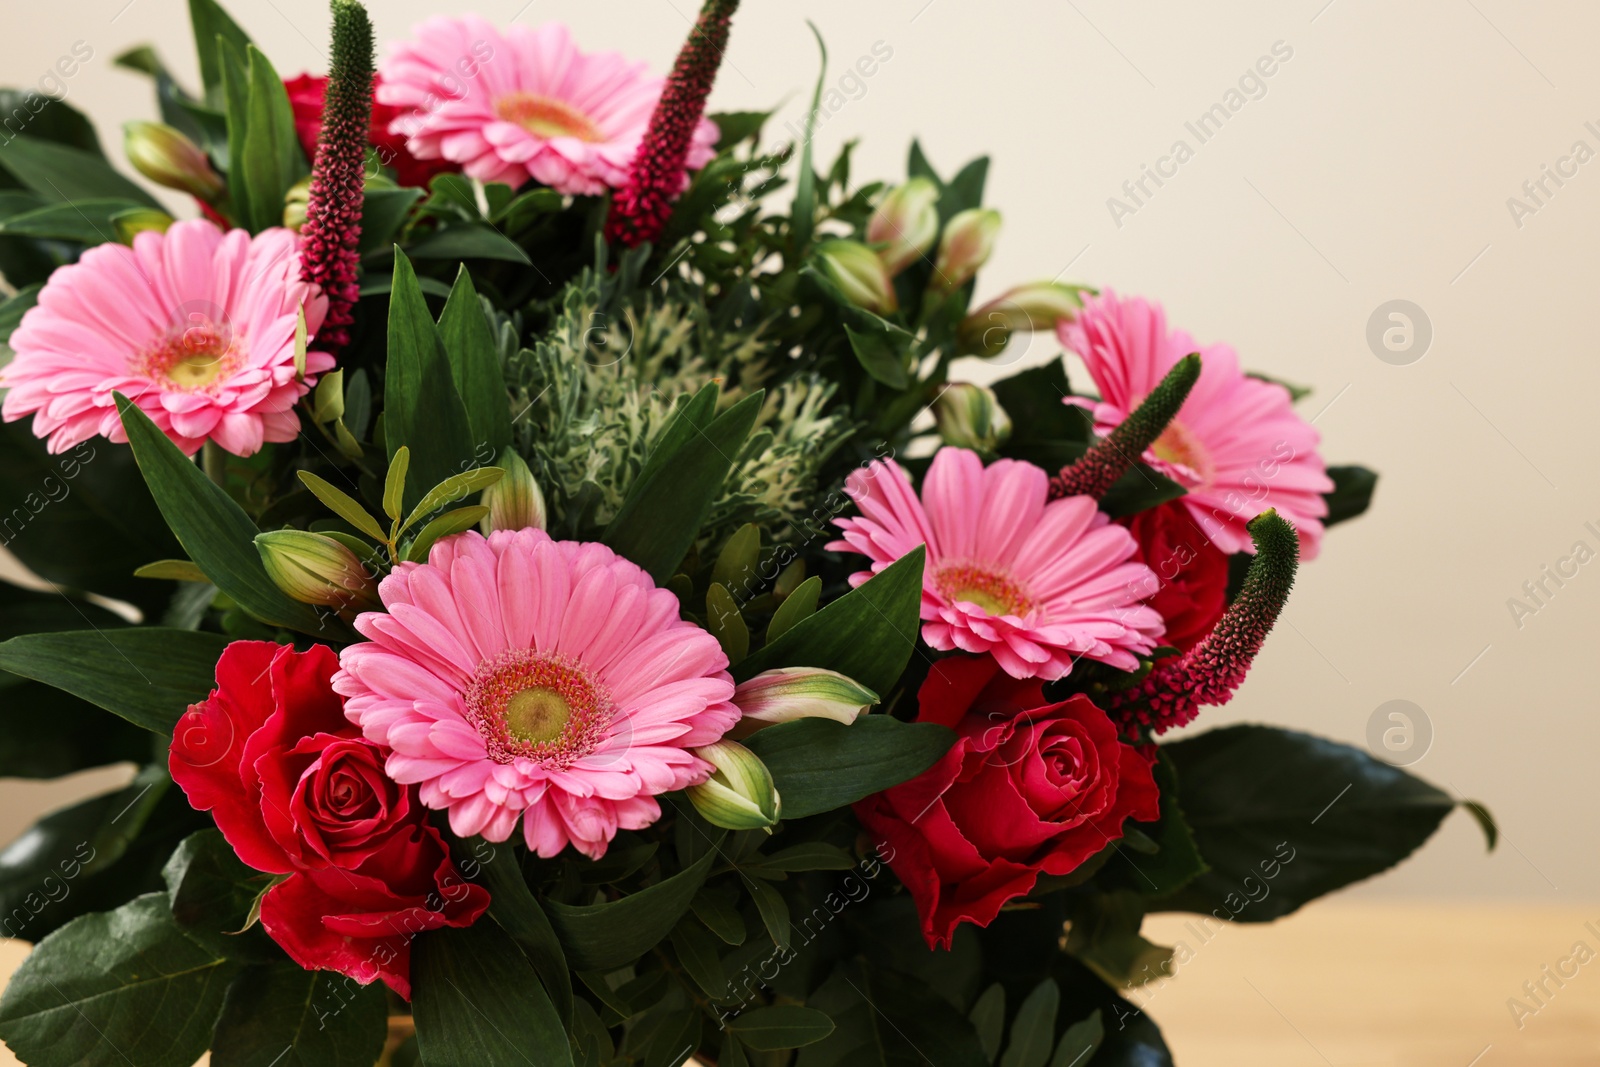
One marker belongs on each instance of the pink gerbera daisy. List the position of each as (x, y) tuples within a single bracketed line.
[(1236, 446), (1035, 584), (524, 104), (516, 676), (195, 326)]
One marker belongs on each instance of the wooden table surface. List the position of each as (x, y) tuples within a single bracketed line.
[(1367, 984)]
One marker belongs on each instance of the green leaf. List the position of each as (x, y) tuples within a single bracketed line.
[(779, 1027), (604, 937), (452, 489), (63, 174), (798, 605), (1283, 817), (265, 155), (422, 409), (714, 906), (1131, 1039), (1177, 860), (868, 634), (1033, 1031), (965, 190), (1485, 820), (451, 522), (87, 222), (57, 121), (516, 909), (478, 1003), (879, 357), (147, 675), (884, 1018), (344, 505), (394, 483), (173, 570), (1351, 495), (698, 951), (1080, 1041), (214, 531), (475, 365), (802, 215), (278, 1015), (737, 562), (471, 240), (810, 856), (383, 212), (819, 764), (14, 307), (773, 909), (726, 624), (210, 21), (1034, 399), (988, 1018), (212, 895), (88, 995), (670, 499), (83, 518)]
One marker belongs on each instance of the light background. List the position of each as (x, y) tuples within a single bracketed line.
[(1376, 166)]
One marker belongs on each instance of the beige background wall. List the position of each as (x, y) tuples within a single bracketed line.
[(1375, 165)]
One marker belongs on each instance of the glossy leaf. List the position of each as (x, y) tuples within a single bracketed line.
[(148, 675), (1283, 817), (278, 1015), (475, 365), (517, 910), (478, 1003), (215, 531), (603, 937), (868, 634), (88, 994), (61, 173), (209, 22), (820, 764)]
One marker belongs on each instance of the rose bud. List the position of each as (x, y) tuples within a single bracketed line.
[(799, 693), (1035, 307), (168, 158), (515, 502), (740, 794), (859, 274), (906, 224), (970, 416), (966, 246), (315, 569)]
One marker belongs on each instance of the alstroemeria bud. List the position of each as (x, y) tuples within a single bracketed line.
[(859, 274), (965, 247), (740, 794), (787, 693), (970, 416), (315, 569), (906, 224), (515, 502), (295, 202), (168, 158), (1035, 307)]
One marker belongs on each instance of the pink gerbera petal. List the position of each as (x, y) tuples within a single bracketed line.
[(1236, 445), (525, 103), (1035, 584), (194, 326), (520, 677)]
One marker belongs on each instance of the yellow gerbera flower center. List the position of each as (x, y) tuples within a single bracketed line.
[(546, 116), (190, 358), (994, 592), (538, 706)]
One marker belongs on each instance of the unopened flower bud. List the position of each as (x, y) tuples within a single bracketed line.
[(966, 246), (1035, 307), (168, 158), (858, 273), (740, 794), (906, 224), (515, 502), (969, 416), (129, 224), (315, 569), (788, 693), (295, 202)]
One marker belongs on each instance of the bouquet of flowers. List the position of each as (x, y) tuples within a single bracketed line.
[(565, 612)]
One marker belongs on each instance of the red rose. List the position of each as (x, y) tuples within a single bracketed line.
[(1027, 789), (297, 791), (305, 98), (1192, 570)]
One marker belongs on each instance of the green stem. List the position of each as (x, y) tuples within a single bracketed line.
[(215, 462)]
